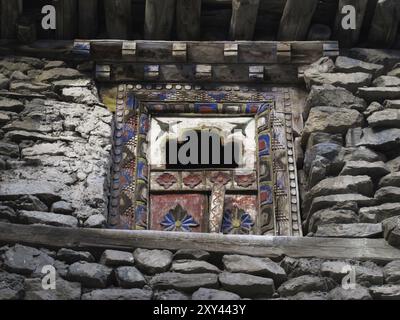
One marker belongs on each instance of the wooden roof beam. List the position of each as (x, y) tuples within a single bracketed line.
[(244, 18)]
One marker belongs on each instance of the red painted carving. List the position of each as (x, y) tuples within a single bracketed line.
[(166, 180), (192, 180), (220, 178), (245, 180)]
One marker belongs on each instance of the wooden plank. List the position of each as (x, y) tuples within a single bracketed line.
[(244, 18), (188, 17), (350, 37), (296, 19), (297, 247), (385, 23), (9, 11), (118, 18), (159, 16), (88, 12), (66, 19)]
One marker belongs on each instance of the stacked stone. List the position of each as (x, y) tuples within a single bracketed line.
[(351, 141), (55, 143), (188, 274)]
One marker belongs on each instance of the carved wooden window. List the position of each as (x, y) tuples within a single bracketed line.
[(257, 196)]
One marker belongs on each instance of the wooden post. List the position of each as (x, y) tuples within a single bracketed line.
[(296, 19), (10, 10), (159, 16), (244, 18), (66, 19), (88, 19), (118, 17), (385, 23), (188, 13), (349, 38)]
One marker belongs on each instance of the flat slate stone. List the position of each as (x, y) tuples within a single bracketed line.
[(12, 105), (11, 286), (300, 267), (391, 272), (386, 81), (328, 216), (114, 258), (95, 221), (184, 282), (335, 270), (48, 218), (385, 292), (213, 294), (118, 294), (382, 212), (247, 286), (349, 65), (368, 276), (193, 266), (62, 207), (153, 261), (304, 283), (354, 230), (72, 256), (391, 104), (349, 81), (358, 293), (379, 94), (64, 290), (91, 275), (325, 202), (390, 180), (58, 74), (388, 194), (375, 170), (165, 295), (129, 277), (388, 118), (191, 254), (263, 267)]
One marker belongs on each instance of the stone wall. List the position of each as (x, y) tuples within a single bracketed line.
[(187, 274), (350, 175), (55, 143)]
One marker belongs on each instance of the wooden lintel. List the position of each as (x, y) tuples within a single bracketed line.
[(265, 246)]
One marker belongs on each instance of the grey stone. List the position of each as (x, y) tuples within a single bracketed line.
[(300, 267), (72, 83), (372, 108), (388, 194), (353, 137), (369, 276), (391, 104), (390, 180), (325, 202), (193, 266), (152, 261), (11, 286), (91, 275), (95, 221), (23, 86), (391, 272), (309, 296), (48, 218), (385, 292), (4, 82), (375, 170), (349, 65), (54, 64), (335, 270), (329, 151), (358, 293), (184, 282), (388, 118), (383, 211), (304, 283), (213, 294), (62, 207), (4, 118), (263, 267), (62, 268), (387, 58), (118, 294), (165, 295), (386, 81), (191, 254), (7, 213), (394, 73), (323, 137), (328, 95), (58, 74), (247, 286), (323, 65), (361, 154), (379, 94), (79, 95), (25, 260), (354, 230), (129, 277), (9, 149), (329, 216), (114, 258), (64, 290), (72, 256), (389, 225), (30, 203)]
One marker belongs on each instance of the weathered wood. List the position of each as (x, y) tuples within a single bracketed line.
[(244, 18), (66, 19), (118, 18), (297, 247), (159, 16), (385, 23), (296, 19), (88, 19), (350, 37), (188, 17), (9, 11)]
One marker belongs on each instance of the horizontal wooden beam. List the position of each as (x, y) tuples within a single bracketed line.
[(297, 247)]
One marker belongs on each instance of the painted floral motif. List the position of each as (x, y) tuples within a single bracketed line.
[(237, 222), (178, 220), (245, 180), (192, 180), (166, 180), (220, 178)]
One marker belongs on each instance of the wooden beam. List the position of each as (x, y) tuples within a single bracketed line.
[(9, 11), (188, 17), (118, 17), (296, 19), (159, 16), (88, 12), (350, 37), (385, 23), (244, 18), (66, 19), (297, 247)]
